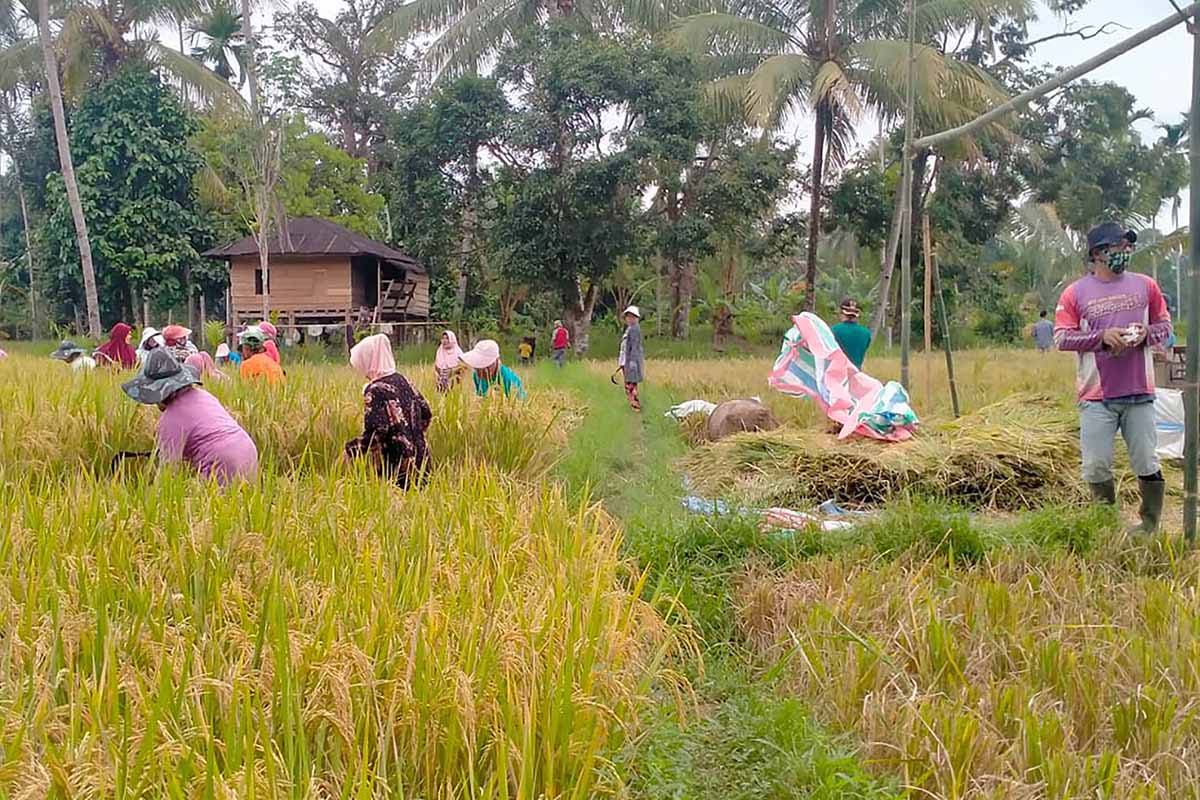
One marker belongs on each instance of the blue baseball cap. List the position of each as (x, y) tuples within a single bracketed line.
[(1107, 234)]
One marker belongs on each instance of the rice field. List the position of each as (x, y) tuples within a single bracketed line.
[(319, 633), (499, 634)]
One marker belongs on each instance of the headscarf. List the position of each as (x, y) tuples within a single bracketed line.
[(448, 353), (204, 365), (117, 349), (271, 350), (373, 357)]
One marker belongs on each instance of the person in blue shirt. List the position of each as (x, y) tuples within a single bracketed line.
[(484, 358)]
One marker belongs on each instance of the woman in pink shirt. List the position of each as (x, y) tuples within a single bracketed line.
[(194, 427)]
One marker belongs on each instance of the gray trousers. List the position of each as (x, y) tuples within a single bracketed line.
[(560, 355), (1098, 425)]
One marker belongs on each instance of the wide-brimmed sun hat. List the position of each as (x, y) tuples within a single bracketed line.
[(67, 349), (222, 350), (176, 333), (637, 312), (162, 377), (482, 355), (148, 333)]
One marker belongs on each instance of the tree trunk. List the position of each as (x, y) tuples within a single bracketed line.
[(145, 308), (888, 267), (68, 171), (203, 311), (467, 243), (683, 286), (578, 316), (33, 309), (250, 67), (814, 214)]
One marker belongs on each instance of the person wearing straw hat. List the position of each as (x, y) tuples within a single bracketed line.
[(631, 360), (1110, 319), (194, 428), (852, 338), (484, 358), (73, 354), (256, 364), (395, 415)]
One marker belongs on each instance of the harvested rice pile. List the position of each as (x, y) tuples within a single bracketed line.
[(1018, 453)]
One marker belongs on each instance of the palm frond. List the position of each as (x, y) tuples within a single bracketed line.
[(726, 99), (18, 62), (206, 84), (832, 86), (727, 33), (777, 86)]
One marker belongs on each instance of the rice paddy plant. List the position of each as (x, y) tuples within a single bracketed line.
[(1019, 674), (984, 376), (55, 421), (317, 635)]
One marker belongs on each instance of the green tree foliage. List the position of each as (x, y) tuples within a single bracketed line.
[(429, 170), (592, 114), (1089, 160), (353, 79), (131, 139), (317, 179)]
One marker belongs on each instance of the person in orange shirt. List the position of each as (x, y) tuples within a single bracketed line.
[(256, 364)]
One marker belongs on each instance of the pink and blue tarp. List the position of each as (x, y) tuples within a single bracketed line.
[(810, 364)]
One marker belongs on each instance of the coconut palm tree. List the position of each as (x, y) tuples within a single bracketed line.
[(221, 43), (467, 32), (838, 58), (93, 39), (91, 298)]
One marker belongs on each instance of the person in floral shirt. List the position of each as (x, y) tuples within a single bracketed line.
[(395, 415)]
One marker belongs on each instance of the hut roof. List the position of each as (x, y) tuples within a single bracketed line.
[(310, 236)]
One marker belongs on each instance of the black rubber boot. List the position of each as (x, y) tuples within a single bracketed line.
[(1154, 494), (1104, 492)]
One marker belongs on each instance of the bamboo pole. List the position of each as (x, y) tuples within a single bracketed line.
[(926, 323), (945, 322), (1191, 390), (1061, 79), (906, 216)]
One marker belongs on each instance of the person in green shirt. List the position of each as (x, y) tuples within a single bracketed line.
[(854, 339), (484, 359)]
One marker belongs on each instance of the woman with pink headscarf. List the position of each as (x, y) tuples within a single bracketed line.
[(446, 362), (204, 365), (269, 346), (395, 415)]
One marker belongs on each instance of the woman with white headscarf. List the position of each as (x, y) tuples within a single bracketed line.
[(395, 415)]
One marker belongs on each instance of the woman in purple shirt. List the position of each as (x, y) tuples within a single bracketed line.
[(194, 426)]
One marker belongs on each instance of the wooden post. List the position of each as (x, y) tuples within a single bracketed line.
[(927, 325), (378, 292), (1191, 389), (945, 319), (906, 217)]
